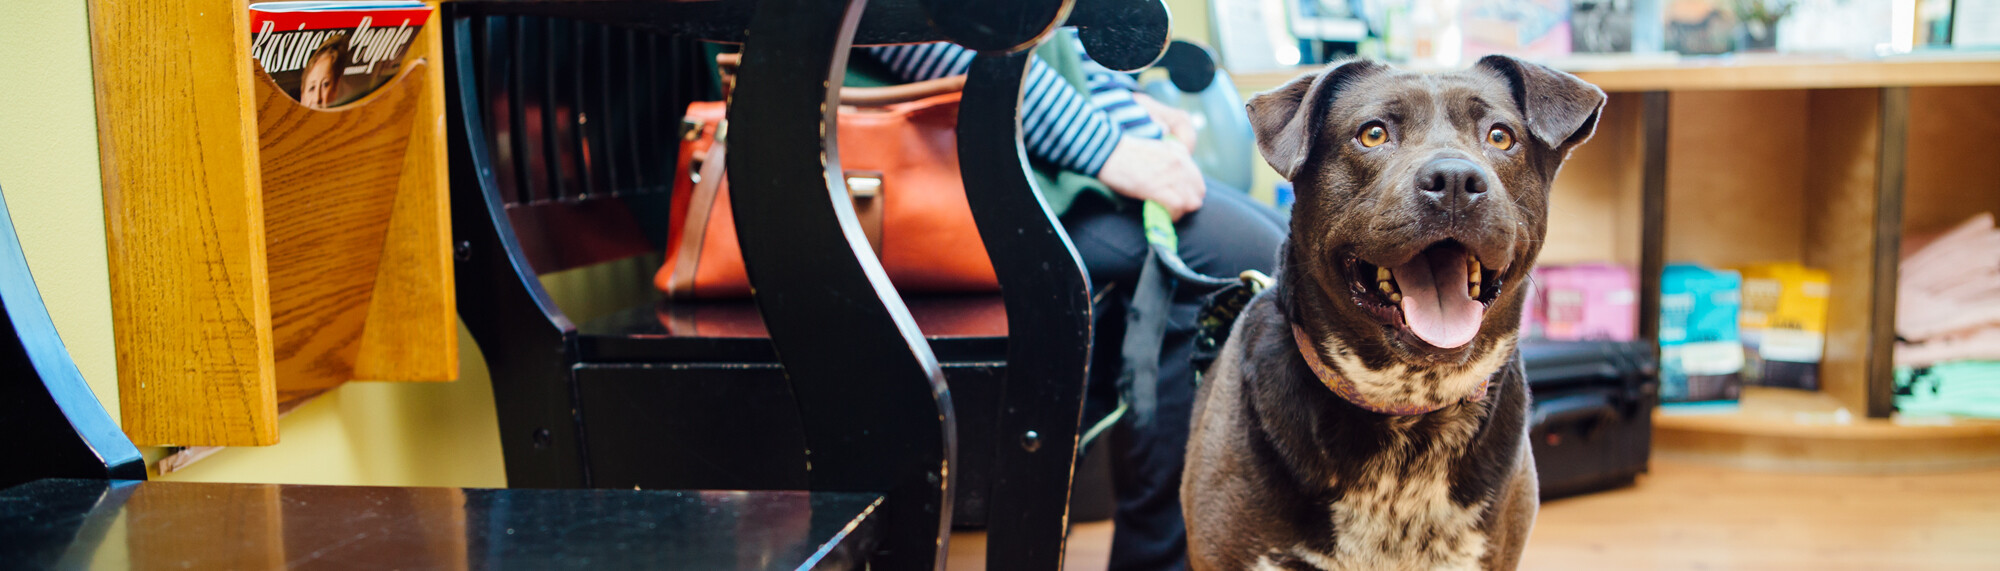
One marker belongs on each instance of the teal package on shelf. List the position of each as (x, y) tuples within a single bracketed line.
[(1700, 356)]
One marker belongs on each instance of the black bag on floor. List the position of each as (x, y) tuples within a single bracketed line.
[(1591, 427)]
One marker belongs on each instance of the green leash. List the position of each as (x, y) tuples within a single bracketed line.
[(1166, 246)]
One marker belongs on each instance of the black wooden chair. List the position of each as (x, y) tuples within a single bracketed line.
[(562, 119)]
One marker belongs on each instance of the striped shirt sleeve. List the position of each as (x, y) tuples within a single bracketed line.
[(1058, 124), (1111, 92)]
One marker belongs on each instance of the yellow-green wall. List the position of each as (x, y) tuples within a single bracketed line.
[(432, 434), (1191, 23), (1190, 20), (379, 434), (48, 170)]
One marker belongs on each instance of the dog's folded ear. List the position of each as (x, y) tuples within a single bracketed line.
[(1561, 110), (1287, 118)]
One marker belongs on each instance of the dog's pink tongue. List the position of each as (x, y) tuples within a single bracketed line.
[(1436, 304)]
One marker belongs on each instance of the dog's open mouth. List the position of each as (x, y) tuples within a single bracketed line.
[(1440, 295)]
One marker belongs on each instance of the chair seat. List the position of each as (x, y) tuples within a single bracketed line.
[(725, 378), (70, 523), (960, 328)]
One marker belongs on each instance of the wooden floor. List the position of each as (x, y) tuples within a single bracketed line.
[(1089, 549), (1692, 516)]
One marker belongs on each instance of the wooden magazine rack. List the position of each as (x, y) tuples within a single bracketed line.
[(262, 252), (357, 239)]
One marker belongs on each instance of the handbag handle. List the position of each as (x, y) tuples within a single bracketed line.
[(725, 64)]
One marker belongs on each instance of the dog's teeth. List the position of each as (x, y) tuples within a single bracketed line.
[(1382, 274), (1395, 298), (1475, 290), (1387, 287), (1475, 278)]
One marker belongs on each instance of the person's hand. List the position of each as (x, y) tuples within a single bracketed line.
[(1176, 122), (1160, 171)]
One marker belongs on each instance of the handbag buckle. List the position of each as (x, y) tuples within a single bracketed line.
[(863, 190), (864, 185)]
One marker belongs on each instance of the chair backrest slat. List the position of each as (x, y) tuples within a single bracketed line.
[(529, 84), (578, 113), (495, 56), (588, 61), (563, 144)]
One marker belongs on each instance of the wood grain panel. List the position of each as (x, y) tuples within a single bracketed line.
[(1952, 174), (1799, 72), (1807, 431), (1747, 72), (331, 181), (1874, 446), (1843, 143), (1735, 184), (1594, 203), (412, 331), (184, 224), (1654, 107)]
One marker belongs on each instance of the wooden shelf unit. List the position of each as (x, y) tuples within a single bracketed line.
[(1832, 178), (1804, 431)]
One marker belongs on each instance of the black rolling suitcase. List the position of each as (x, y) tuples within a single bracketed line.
[(1592, 422)]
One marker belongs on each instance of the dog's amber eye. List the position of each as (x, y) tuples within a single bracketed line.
[(1372, 134), (1500, 138)]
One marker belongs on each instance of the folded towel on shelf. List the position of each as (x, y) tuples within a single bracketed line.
[(1948, 296), (1982, 343)]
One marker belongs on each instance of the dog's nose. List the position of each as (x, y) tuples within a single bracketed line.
[(1451, 180)]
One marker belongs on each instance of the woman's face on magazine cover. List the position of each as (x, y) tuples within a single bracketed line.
[(319, 88)]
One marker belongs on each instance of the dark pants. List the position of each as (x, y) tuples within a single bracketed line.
[(1229, 234)]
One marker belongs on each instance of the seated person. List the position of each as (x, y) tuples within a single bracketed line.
[(1121, 138)]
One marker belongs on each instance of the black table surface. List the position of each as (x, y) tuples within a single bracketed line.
[(70, 524)]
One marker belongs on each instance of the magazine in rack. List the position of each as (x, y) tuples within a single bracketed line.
[(325, 54)]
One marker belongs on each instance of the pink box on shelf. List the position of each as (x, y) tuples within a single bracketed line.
[(1586, 302)]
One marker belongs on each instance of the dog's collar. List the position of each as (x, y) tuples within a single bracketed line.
[(1346, 389)]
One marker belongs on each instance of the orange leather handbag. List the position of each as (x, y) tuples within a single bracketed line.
[(899, 152)]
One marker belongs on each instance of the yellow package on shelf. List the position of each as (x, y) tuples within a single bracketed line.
[(1783, 322)]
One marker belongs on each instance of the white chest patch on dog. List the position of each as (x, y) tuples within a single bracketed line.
[(1425, 388)]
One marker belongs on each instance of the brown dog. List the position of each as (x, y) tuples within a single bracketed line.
[(1368, 411)]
